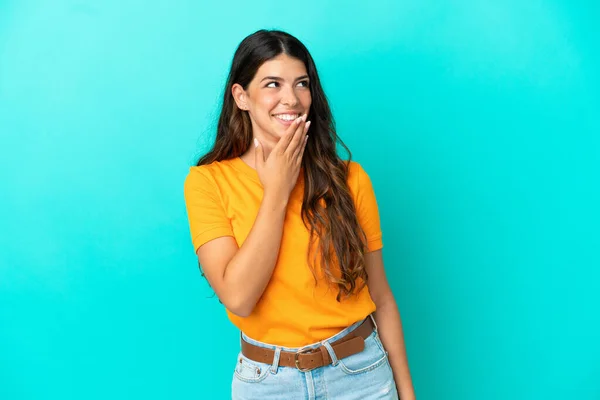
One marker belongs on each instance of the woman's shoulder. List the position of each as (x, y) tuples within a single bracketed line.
[(206, 174), (209, 170), (359, 181), (199, 172), (356, 172), (353, 166)]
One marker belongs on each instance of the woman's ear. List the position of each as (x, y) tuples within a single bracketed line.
[(239, 95)]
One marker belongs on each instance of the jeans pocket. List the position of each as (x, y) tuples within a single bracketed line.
[(250, 371), (373, 356)]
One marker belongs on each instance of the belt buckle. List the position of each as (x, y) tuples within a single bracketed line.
[(297, 361)]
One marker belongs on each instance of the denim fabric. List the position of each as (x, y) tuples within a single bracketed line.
[(363, 376)]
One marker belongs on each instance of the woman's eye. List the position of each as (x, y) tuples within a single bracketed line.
[(271, 84)]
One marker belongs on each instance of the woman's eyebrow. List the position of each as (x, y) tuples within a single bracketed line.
[(276, 78)]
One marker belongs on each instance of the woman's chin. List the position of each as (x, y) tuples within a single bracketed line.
[(278, 132)]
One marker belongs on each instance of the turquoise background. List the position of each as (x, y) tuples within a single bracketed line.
[(478, 122)]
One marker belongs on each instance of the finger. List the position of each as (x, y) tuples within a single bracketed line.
[(297, 139), (285, 140), (289, 134), (305, 141), (301, 142)]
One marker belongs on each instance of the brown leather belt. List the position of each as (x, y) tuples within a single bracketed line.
[(309, 359)]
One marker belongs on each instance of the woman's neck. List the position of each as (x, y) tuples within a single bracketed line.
[(249, 156)]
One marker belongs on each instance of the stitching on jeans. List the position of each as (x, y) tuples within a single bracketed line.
[(251, 367), (370, 367)]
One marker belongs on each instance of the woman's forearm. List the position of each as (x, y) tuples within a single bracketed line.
[(389, 325), (249, 271)]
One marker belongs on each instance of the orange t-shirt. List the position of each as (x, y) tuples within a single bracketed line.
[(223, 199)]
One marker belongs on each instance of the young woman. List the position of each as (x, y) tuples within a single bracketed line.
[(288, 236)]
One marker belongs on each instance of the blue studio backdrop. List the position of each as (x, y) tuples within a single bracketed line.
[(478, 123)]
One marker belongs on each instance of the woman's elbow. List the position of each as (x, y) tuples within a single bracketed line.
[(240, 306)]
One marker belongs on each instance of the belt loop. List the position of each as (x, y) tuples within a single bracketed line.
[(276, 360), (374, 323), (331, 352)]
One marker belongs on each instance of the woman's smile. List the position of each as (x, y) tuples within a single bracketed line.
[(286, 119)]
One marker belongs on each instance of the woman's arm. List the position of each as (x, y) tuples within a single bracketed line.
[(389, 324), (240, 276)]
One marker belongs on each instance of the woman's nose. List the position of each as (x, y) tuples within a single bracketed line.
[(289, 97)]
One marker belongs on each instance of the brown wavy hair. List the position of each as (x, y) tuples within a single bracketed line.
[(328, 208)]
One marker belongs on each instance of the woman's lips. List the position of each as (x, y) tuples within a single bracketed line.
[(285, 122)]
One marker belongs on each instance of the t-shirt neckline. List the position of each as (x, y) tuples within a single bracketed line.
[(244, 168)]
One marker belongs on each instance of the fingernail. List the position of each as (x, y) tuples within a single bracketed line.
[(255, 142), (307, 126), (304, 117), (297, 121)]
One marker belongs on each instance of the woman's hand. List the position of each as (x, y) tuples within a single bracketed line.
[(279, 172)]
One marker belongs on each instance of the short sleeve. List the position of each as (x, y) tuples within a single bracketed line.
[(367, 210), (205, 210)]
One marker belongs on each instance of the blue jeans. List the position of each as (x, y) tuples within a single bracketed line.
[(363, 376)]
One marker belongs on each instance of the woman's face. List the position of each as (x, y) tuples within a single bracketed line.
[(278, 94)]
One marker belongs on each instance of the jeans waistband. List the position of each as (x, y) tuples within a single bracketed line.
[(315, 345)]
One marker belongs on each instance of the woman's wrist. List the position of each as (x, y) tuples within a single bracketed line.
[(275, 201)]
